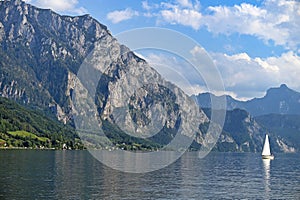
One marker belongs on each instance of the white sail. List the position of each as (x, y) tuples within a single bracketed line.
[(266, 150)]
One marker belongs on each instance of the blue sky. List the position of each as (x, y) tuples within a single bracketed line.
[(254, 44)]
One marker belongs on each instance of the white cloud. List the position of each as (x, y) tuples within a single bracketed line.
[(197, 50), (69, 6), (244, 77), (267, 66), (273, 20), (149, 9), (185, 3), (187, 17), (121, 15), (251, 20), (191, 79), (251, 77), (149, 6), (146, 6), (240, 56), (177, 71)]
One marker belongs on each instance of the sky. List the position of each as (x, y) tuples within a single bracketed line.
[(253, 43)]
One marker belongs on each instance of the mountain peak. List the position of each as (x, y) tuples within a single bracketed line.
[(281, 91), (281, 100), (283, 86), (44, 47)]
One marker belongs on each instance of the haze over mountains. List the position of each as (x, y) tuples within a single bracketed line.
[(281, 100), (41, 53), (277, 113)]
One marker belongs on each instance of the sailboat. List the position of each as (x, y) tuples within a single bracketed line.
[(266, 153)]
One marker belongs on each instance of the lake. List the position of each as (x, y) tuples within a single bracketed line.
[(36, 174)]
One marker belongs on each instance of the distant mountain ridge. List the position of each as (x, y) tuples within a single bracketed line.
[(244, 133), (281, 100), (277, 113), (285, 128)]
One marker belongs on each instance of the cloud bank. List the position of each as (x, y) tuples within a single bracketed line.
[(251, 77), (244, 77), (69, 6), (121, 15), (274, 20)]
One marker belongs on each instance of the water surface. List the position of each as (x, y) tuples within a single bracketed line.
[(29, 174)]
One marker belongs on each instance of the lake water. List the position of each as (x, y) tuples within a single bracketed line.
[(29, 174)]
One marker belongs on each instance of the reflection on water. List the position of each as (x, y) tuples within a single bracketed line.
[(77, 175), (266, 164), (136, 162)]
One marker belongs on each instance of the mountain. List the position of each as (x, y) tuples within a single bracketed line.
[(204, 101), (74, 73), (246, 123), (286, 127), (24, 127), (244, 133), (41, 54), (247, 134), (281, 100)]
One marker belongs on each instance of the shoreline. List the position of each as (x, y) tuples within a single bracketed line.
[(25, 148), (54, 149)]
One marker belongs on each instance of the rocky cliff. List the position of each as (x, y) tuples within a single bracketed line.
[(42, 53), (40, 50), (245, 133)]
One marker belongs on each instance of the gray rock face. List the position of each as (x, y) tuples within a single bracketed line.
[(43, 52), (39, 49), (135, 97), (243, 131)]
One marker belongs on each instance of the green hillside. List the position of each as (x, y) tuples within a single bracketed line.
[(24, 127), (21, 127)]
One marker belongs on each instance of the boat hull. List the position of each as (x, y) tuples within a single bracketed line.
[(270, 157)]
